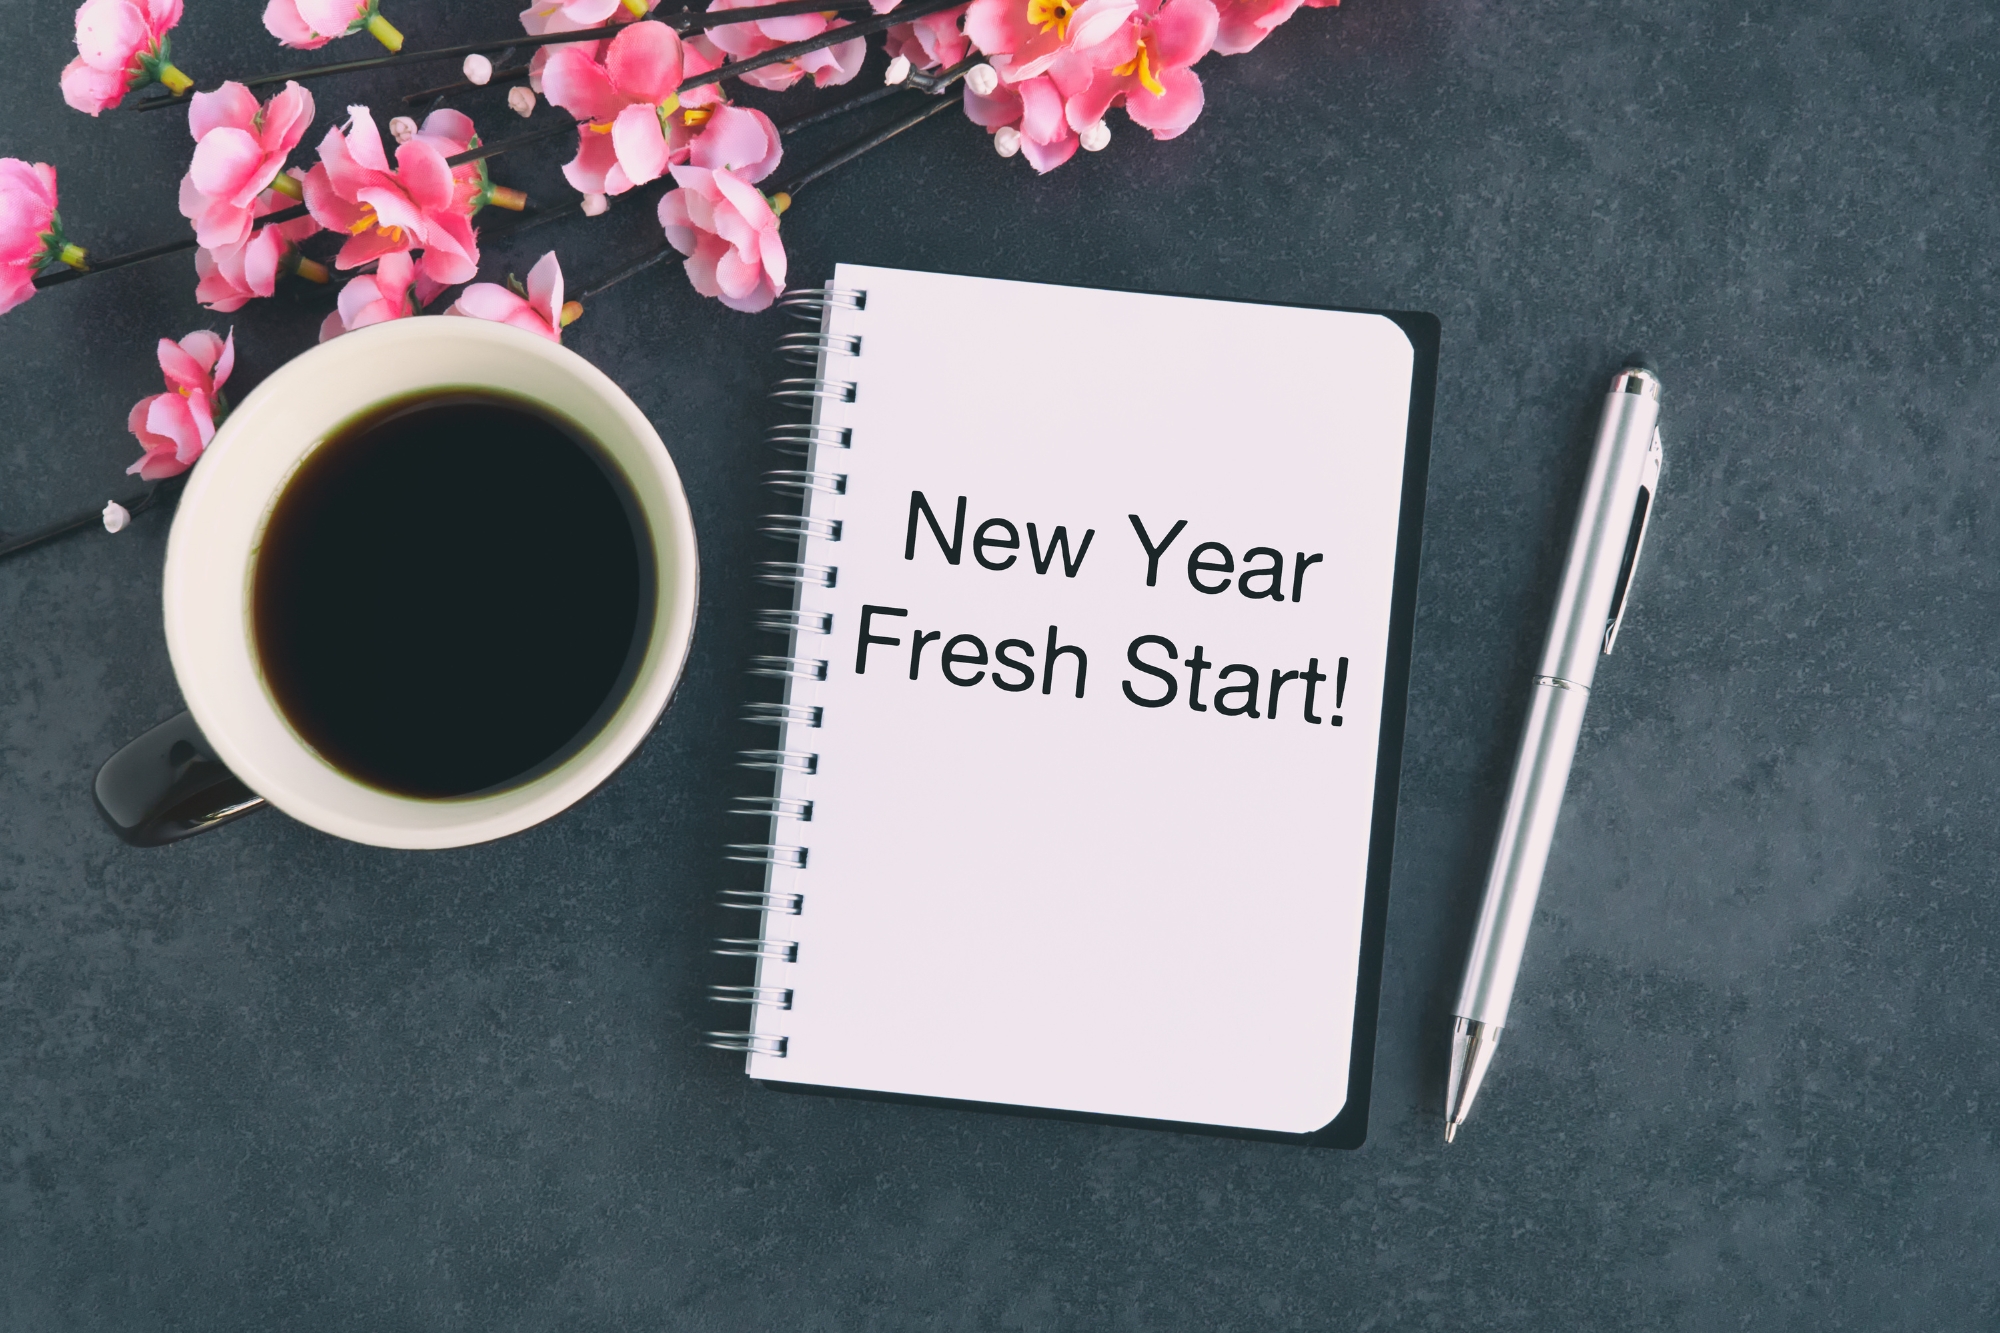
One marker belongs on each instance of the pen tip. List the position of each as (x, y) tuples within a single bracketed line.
[(1640, 361), (1450, 1128)]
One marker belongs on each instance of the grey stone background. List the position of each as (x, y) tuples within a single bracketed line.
[(266, 1079)]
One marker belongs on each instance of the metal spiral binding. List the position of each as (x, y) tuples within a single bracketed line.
[(798, 482), (806, 389), (813, 348), (750, 900), (772, 807), (772, 997), (799, 437), (791, 527), (778, 761), (804, 715), (796, 574), (785, 951), (768, 854), (816, 299), (748, 1043), (795, 622), (789, 668), (805, 348)]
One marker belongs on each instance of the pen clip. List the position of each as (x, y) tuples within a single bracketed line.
[(1642, 515)]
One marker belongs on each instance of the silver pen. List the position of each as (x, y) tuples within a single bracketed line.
[(1603, 552)]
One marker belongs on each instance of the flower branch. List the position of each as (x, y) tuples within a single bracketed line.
[(685, 21)]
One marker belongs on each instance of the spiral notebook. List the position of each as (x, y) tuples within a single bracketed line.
[(1092, 691)]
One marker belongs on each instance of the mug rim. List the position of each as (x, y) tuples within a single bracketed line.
[(213, 545)]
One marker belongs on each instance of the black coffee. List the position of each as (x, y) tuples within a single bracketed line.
[(453, 594)]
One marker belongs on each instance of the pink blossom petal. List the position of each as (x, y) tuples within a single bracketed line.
[(326, 204), (283, 21), (287, 117), (224, 363), (644, 62), (674, 221), (167, 415), (1046, 157), (594, 157), (1041, 111), (445, 126), (1003, 107), (371, 244), (642, 148), (580, 86), (1170, 113), (110, 32), (180, 367), (1098, 20), (364, 141), (206, 349), (488, 300), (135, 421), (91, 90), (1085, 108), (545, 287), (1183, 33), (394, 209), (421, 171), (331, 18), (232, 106), (227, 165), (452, 256), (740, 139)]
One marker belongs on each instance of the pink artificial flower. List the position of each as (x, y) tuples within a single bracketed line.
[(175, 426), (1034, 107), (541, 311), (121, 45), (546, 16), (931, 42), (1244, 23), (240, 148), (623, 102), (30, 229), (737, 139), (417, 205), (828, 66), (230, 275), (307, 25), (395, 290), (729, 233), (1152, 79), (1024, 38)]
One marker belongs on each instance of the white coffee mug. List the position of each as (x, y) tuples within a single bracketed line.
[(211, 557)]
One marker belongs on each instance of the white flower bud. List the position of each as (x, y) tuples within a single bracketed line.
[(522, 99), (1006, 141), (478, 68), (982, 79), (594, 205), (1096, 136), (899, 70), (116, 516), (402, 129)]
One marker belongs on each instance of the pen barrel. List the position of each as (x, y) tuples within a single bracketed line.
[(1514, 881), (1604, 521)]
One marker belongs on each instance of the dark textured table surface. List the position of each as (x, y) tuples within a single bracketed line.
[(269, 1079)]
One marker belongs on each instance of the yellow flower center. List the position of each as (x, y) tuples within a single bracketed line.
[(696, 115), (368, 219), (1142, 65), (1047, 14)]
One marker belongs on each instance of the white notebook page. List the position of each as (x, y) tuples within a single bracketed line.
[(1085, 904)]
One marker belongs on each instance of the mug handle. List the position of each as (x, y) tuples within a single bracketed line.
[(168, 785)]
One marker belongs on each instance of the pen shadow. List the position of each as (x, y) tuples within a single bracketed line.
[(1468, 863)]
